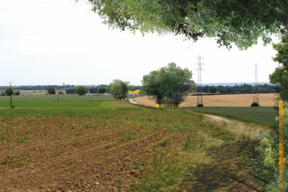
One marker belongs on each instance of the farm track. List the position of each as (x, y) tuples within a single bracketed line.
[(50, 161)]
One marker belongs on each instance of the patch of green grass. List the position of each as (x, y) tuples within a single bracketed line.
[(128, 135), (258, 115), (7, 160), (21, 139), (76, 143)]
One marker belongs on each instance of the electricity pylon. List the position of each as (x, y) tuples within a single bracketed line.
[(199, 85)]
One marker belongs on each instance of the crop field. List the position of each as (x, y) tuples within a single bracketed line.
[(236, 100), (258, 115), (123, 149)]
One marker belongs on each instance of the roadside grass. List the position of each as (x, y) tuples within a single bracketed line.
[(258, 115)]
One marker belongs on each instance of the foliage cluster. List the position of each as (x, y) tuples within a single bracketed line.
[(280, 75), (240, 22), (118, 89), (168, 84), (245, 88), (80, 90), (9, 91), (51, 90), (269, 152), (212, 89)]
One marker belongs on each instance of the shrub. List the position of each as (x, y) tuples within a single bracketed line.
[(51, 90), (254, 104), (61, 92)]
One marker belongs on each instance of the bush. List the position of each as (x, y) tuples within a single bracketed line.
[(267, 171), (61, 92), (254, 104), (9, 91), (51, 90), (200, 105)]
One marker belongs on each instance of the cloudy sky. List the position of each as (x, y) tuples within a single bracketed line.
[(59, 41)]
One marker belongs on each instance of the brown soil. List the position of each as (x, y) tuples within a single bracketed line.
[(48, 160), (237, 100)]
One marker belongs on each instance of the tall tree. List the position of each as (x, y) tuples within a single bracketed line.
[(118, 89), (169, 84), (230, 21), (280, 75)]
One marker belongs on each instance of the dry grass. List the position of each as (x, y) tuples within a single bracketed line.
[(239, 100)]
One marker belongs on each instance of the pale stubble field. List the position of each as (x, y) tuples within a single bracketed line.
[(236, 100)]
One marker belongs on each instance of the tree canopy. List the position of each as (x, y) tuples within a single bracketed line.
[(169, 84), (229, 21), (51, 90), (9, 91), (213, 89), (280, 75), (118, 89), (80, 90)]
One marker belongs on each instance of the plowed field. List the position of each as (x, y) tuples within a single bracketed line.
[(80, 153)]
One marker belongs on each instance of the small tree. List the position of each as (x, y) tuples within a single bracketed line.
[(212, 89), (9, 91), (61, 92), (80, 90), (51, 90)]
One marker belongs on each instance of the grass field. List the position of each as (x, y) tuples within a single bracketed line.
[(123, 149), (258, 115), (73, 97)]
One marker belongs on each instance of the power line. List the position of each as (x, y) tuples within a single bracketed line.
[(199, 85)]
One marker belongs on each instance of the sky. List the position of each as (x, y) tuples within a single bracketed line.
[(48, 42)]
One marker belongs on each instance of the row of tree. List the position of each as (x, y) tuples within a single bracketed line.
[(9, 92), (245, 88)]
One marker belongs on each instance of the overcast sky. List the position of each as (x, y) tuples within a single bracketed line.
[(59, 41)]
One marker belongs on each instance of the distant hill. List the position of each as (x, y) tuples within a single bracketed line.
[(233, 84)]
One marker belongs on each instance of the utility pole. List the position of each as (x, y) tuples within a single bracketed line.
[(199, 85), (255, 97), (11, 94)]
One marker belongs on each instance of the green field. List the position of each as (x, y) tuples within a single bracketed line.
[(43, 97), (58, 104), (258, 115)]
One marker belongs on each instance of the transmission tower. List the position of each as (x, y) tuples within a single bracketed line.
[(199, 85), (255, 97)]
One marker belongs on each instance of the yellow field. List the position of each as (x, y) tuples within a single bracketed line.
[(237, 100)]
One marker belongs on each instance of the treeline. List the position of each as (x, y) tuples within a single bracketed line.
[(245, 88), (92, 90)]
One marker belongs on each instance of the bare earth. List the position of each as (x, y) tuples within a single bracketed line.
[(239, 100)]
